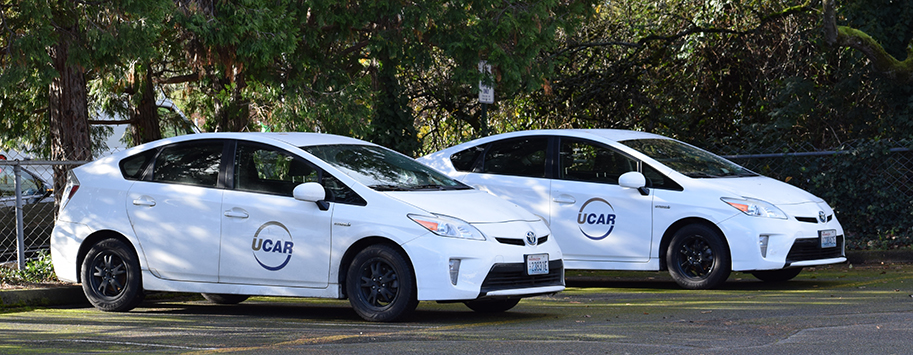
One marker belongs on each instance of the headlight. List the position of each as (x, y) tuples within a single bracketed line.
[(448, 226), (755, 208)]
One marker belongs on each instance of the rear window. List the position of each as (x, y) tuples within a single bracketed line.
[(465, 160)]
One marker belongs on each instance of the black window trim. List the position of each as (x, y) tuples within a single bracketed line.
[(229, 172), (149, 167)]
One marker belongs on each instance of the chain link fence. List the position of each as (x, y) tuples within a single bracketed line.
[(27, 208), (869, 185)]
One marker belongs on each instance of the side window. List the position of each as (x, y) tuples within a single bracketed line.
[(31, 185), (7, 181), (466, 159), (189, 164), (265, 169), (587, 161), (657, 180), (519, 157), (340, 193), (132, 168)]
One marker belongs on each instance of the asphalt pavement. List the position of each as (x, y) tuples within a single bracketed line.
[(71, 295), (835, 309)]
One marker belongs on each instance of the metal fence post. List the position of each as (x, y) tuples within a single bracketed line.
[(20, 226)]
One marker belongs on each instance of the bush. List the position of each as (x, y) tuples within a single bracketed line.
[(869, 185), (37, 270)]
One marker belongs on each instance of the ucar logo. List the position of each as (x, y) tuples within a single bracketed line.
[(596, 218), (272, 246)]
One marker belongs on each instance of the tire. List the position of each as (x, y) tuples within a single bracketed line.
[(224, 298), (111, 277), (380, 284), (698, 258), (492, 306), (781, 275)]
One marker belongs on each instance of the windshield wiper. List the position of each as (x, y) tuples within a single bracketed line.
[(387, 187), (439, 187), (700, 175)]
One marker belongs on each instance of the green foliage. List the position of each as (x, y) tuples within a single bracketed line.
[(36, 270), (866, 184)]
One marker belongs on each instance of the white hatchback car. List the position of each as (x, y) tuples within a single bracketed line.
[(624, 200), (232, 215)]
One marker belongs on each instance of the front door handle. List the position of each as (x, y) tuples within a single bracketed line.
[(563, 198), (236, 213)]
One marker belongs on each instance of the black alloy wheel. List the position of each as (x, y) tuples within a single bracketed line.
[(111, 277), (380, 284), (697, 258)]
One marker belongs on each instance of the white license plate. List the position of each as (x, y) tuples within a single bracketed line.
[(828, 238), (537, 264)]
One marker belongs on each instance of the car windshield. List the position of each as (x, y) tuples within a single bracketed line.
[(382, 169), (687, 160)]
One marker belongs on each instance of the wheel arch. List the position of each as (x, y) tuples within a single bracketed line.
[(360, 245), (93, 239), (675, 227)]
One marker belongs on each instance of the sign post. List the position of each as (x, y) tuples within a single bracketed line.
[(486, 96)]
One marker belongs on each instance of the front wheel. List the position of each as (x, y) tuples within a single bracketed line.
[(111, 276), (380, 284), (781, 275), (698, 258), (492, 306)]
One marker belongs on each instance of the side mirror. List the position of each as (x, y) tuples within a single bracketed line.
[(634, 180), (312, 192)]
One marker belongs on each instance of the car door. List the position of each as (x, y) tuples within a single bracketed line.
[(515, 169), (592, 217), (176, 211), (269, 237)]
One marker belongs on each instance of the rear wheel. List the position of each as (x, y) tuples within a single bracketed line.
[(380, 284), (698, 258), (111, 277), (224, 298), (492, 306), (781, 275)]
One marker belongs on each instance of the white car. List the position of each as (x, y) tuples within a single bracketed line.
[(624, 200), (232, 215)]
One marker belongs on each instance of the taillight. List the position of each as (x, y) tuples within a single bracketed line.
[(70, 189)]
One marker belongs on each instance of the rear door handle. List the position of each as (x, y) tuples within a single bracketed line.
[(144, 201), (565, 199)]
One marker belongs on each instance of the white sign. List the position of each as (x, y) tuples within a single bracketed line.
[(486, 92)]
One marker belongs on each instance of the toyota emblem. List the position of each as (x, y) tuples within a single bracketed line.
[(531, 238), (822, 217)]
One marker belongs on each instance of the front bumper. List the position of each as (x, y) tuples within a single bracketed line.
[(771, 244), (487, 269)]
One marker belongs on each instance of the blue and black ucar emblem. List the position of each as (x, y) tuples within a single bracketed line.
[(596, 218), (272, 246)]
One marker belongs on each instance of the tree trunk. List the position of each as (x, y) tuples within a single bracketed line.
[(145, 127), (68, 106)]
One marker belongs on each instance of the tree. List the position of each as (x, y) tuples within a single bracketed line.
[(399, 45), (56, 45), (228, 45), (882, 61)]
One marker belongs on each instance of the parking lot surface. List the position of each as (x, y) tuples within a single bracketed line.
[(826, 310)]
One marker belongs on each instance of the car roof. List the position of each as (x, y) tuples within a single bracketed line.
[(614, 135), (297, 139)]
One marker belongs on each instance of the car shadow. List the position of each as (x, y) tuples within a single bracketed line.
[(660, 283), (428, 313)]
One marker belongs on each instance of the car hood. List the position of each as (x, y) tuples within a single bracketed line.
[(762, 188), (472, 206)]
